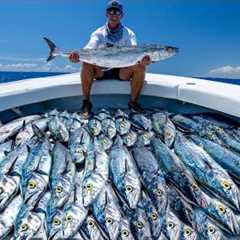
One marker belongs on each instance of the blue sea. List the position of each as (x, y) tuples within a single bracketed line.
[(15, 76)]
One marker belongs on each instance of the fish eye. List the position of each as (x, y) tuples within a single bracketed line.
[(188, 231), (79, 151), (56, 221), (109, 221), (89, 187), (32, 184), (58, 189), (69, 218), (159, 192), (168, 133), (24, 227), (91, 223), (154, 216), (145, 136), (226, 184), (125, 233), (129, 188), (195, 186), (104, 141), (171, 225), (221, 208), (140, 225), (211, 229)]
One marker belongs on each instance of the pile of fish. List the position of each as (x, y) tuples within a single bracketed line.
[(120, 175)]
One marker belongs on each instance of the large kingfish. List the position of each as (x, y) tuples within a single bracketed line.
[(152, 177), (124, 173), (116, 57), (107, 211), (173, 169)]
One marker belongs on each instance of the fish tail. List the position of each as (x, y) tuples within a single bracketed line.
[(52, 48)]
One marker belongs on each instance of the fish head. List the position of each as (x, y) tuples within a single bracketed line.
[(73, 218), (125, 231), (141, 225), (112, 216), (61, 191), (78, 153), (33, 188), (58, 129), (132, 190), (27, 225), (111, 131), (226, 216), (159, 191), (130, 138), (92, 186), (92, 228), (95, 127), (55, 224), (8, 187), (123, 126), (205, 225), (145, 138), (109, 128), (173, 225), (230, 190), (104, 142), (188, 233), (213, 232), (169, 133), (159, 120)]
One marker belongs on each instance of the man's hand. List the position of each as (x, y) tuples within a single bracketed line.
[(74, 57), (145, 61)]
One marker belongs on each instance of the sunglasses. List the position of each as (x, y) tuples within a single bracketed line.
[(114, 12)]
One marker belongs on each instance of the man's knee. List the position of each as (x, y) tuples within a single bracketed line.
[(138, 68), (87, 67), (92, 70)]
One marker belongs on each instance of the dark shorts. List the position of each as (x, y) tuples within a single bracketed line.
[(110, 74)]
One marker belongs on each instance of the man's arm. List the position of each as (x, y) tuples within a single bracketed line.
[(93, 42)]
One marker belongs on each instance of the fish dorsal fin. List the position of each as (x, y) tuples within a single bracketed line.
[(106, 198), (24, 125), (38, 132)]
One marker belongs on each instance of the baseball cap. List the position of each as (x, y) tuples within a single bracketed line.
[(115, 5)]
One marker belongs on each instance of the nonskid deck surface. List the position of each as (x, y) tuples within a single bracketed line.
[(120, 175)]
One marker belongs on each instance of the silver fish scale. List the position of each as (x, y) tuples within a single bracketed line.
[(119, 175), (119, 57)]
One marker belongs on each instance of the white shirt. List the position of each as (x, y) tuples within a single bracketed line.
[(99, 38)]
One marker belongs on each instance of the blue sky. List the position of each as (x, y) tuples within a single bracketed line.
[(207, 32)]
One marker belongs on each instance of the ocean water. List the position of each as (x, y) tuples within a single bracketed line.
[(15, 76)]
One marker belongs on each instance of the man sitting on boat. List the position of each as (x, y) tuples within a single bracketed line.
[(112, 34)]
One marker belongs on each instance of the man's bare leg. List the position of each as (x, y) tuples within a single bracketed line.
[(88, 73), (137, 75)]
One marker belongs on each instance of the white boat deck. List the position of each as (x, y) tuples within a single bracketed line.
[(213, 95)]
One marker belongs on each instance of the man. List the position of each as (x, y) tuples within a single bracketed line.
[(112, 34)]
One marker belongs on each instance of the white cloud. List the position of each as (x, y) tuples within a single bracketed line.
[(35, 67), (226, 71), (19, 59)]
